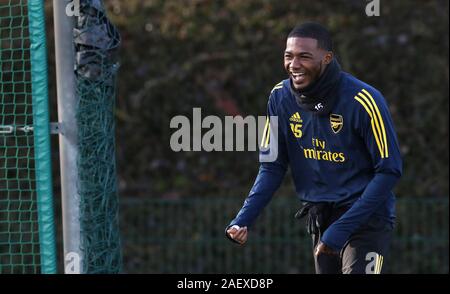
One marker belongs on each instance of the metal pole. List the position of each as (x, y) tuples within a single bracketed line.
[(67, 102)]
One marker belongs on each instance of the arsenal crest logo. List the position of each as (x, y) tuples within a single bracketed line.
[(337, 122)]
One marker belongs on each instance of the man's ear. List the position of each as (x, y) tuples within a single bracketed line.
[(328, 57)]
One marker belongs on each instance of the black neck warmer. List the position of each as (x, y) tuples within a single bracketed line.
[(317, 97)]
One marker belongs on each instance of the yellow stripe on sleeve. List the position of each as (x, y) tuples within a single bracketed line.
[(381, 264), (386, 152), (277, 86), (377, 263), (268, 136), (374, 129), (375, 118), (264, 132)]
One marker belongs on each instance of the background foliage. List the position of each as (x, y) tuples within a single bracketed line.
[(225, 56)]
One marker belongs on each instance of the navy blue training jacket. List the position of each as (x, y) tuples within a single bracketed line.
[(350, 157)]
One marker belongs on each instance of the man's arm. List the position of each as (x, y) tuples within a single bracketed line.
[(269, 179), (377, 129), (267, 182)]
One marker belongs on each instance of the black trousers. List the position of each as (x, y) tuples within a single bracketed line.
[(363, 253)]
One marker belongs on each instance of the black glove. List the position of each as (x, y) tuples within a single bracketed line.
[(303, 211), (318, 216)]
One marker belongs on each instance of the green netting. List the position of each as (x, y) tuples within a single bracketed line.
[(96, 41), (26, 217)]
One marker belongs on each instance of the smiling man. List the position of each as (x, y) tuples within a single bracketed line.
[(337, 136), (303, 60)]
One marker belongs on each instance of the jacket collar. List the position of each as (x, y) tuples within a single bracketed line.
[(318, 96)]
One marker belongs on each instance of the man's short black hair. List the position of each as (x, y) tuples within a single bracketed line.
[(314, 31)]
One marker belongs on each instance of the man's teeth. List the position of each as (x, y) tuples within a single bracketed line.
[(296, 75)]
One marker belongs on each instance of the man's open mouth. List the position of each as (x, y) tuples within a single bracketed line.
[(298, 77)]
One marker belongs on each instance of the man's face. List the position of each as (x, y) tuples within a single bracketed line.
[(305, 61)]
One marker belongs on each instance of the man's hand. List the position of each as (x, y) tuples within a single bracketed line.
[(322, 248), (238, 234)]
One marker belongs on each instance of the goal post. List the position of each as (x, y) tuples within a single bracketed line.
[(86, 44), (68, 139), (27, 230), (41, 130)]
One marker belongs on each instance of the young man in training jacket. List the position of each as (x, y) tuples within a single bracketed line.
[(336, 134)]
